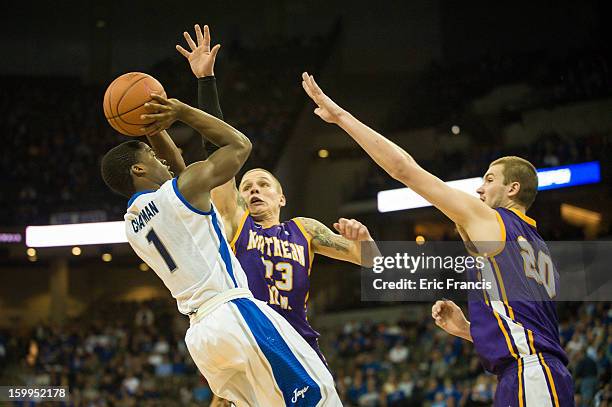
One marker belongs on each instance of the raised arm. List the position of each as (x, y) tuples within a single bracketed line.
[(347, 245), (165, 148), (479, 220), (201, 60), (196, 182)]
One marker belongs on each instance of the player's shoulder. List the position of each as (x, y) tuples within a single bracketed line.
[(308, 226), (299, 221), (144, 198), (514, 216)]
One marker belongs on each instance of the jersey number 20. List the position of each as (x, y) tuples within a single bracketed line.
[(540, 269), (153, 238)]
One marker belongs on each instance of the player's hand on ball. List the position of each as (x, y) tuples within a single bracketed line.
[(352, 229), (449, 317), (164, 112), (201, 58), (327, 109)]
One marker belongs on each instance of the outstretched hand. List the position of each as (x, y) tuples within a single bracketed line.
[(201, 58), (164, 112), (352, 229), (326, 109), (449, 317)]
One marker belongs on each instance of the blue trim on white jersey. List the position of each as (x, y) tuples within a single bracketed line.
[(223, 249), (137, 194), (185, 201), (296, 385)]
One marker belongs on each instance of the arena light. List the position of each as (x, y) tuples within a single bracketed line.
[(79, 234), (405, 198), (548, 178), (569, 175), (10, 237)]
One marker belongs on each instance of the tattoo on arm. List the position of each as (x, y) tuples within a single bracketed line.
[(240, 201), (322, 236)]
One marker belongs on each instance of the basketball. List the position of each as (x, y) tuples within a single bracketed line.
[(124, 101)]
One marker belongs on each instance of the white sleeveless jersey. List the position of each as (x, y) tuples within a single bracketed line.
[(187, 248)]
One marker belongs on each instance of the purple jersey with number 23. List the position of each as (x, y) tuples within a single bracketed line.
[(277, 262)]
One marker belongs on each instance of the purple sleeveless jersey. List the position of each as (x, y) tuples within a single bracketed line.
[(517, 317), (277, 263)]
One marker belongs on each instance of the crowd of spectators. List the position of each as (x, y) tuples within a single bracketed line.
[(127, 354), (56, 134), (445, 91), (134, 354), (417, 364)]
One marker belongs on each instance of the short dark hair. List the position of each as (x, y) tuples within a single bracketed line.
[(517, 169), (117, 165)]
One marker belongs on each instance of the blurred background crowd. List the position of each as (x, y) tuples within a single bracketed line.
[(134, 354), (458, 85)]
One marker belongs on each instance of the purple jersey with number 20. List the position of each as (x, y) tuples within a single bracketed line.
[(514, 324)]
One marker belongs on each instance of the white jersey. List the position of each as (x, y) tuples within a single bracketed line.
[(248, 353), (187, 248)]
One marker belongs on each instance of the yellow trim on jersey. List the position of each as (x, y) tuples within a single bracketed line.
[(484, 292), (239, 230), (531, 341), (308, 239), (503, 289), (550, 379), (503, 329), (520, 382), (310, 257), (502, 236), (303, 230), (502, 239), (524, 217)]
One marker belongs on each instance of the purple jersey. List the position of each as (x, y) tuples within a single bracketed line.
[(516, 317), (277, 263)]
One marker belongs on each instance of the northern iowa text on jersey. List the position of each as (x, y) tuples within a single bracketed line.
[(144, 216), (273, 246)]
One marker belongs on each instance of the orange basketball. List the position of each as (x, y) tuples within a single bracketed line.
[(124, 100)]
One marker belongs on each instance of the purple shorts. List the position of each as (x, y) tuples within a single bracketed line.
[(535, 381), (314, 344)]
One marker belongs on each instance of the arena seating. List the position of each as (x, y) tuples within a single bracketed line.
[(140, 359)]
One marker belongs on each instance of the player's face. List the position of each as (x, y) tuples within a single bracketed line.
[(157, 170), (261, 193), (493, 192)]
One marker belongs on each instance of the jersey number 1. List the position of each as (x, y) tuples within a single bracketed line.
[(153, 238)]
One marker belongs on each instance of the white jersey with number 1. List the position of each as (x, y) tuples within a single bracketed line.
[(248, 353), (186, 247)]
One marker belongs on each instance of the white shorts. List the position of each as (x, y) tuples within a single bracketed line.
[(252, 356)]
